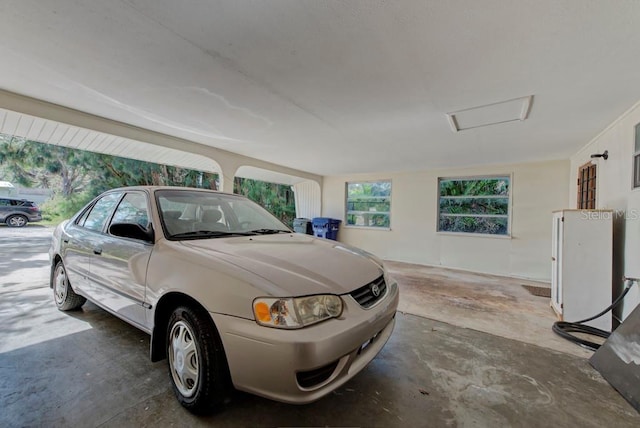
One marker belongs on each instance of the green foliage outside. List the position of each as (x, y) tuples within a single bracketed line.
[(369, 203), (474, 205), (278, 199), (60, 207)]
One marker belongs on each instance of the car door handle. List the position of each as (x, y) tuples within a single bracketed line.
[(66, 241), (97, 251)]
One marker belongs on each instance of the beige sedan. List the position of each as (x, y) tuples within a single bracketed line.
[(230, 295)]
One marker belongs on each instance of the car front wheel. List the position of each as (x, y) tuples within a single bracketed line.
[(16, 221), (197, 364), (66, 299)]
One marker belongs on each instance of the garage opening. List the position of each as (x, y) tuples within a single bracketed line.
[(285, 196), (63, 179), (278, 199)]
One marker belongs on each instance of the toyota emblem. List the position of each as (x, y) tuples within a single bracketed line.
[(375, 290)]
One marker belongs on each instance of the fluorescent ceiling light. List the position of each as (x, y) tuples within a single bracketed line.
[(490, 114)]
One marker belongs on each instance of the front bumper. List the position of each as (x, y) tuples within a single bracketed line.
[(266, 361)]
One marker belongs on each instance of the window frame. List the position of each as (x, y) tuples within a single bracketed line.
[(590, 184), (509, 198), (122, 199), (346, 204), (82, 218)]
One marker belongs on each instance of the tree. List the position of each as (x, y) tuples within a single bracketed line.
[(278, 199), (70, 171), (116, 171), (29, 163)]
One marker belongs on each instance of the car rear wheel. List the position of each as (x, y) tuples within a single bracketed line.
[(197, 364), (16, 221), (66, 299)]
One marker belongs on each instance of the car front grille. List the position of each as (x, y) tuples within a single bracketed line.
[(368, 295)]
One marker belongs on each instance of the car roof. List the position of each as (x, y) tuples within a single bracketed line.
[(16, 199), (153, 189)]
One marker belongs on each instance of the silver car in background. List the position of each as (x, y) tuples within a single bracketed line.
[(230, 295)]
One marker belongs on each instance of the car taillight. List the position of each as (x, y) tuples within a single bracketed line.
[(34, 209)]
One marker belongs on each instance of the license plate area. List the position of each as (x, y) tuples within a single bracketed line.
[(368, 343)]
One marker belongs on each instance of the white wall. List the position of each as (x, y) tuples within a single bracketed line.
[(614, 191), (537, 189)]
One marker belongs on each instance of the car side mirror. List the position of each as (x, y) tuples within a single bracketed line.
[(132, 230)]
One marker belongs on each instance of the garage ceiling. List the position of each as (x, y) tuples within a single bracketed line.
[(334, 87)]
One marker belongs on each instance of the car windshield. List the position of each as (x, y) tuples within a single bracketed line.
[(193, 214)]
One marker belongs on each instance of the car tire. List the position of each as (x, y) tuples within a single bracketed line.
[(197, 364), (16, 221), (66, 299)]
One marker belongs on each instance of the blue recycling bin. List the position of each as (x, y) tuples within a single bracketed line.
[(324, 227)]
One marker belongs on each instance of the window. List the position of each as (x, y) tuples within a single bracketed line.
[(369, 204), (474, 205), (80, 220), (132, 209), (100, 212), (587, 187), (636, 159), (14, 202)]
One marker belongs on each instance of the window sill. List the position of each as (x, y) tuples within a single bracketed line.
[(474, 235), (387, 229)]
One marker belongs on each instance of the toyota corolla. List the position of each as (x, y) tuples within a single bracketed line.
[(231, 297)]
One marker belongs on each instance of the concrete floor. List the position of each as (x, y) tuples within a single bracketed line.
[(90, 369), (488, 303)]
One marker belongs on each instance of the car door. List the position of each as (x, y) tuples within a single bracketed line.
[(5, 207), (81, 237), (119, 265)]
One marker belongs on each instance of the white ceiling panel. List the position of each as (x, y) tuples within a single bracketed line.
[(35, 131), (23, 125), (47, 131), (10, 123), (18, 124)]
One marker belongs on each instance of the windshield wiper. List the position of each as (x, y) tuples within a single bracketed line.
[(269, 231), (209, 234)]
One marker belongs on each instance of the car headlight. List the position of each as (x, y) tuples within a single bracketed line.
[(296, 312)]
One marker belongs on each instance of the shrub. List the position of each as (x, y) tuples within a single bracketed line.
[(62, 207)]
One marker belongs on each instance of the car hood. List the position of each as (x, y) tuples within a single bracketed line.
[(294, 264)]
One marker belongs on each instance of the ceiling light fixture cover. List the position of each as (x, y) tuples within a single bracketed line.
[(491, 114)]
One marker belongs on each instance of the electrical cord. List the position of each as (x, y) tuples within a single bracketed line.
[(564, 328)]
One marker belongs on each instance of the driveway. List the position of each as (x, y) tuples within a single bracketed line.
[(24, 258)]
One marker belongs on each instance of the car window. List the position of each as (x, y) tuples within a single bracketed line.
[(80, 220), (249, 215), (187, 214), (101, 211), (132, 209), (5, 202)]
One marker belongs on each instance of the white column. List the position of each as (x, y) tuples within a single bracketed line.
[(308, 197)]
